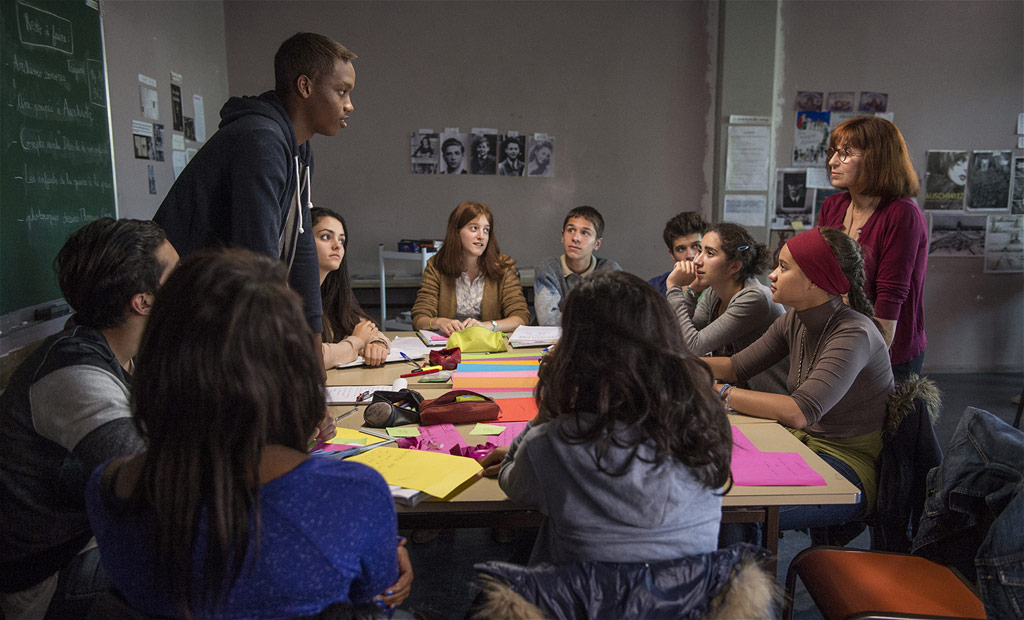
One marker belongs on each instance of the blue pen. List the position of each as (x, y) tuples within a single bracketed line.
[(409, 359)]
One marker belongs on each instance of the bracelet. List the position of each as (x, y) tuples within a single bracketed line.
[(721, 390), (430, 323), (728, 394)]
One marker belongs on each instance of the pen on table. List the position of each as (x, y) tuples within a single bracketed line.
[(409, 359), (419, 373), (342, 415)]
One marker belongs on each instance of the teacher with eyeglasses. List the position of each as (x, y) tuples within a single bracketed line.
[(868, 157)]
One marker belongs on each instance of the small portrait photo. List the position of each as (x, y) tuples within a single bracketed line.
[(809, 101), (142, 146), (873, 102), (423, 148), (957, 235), (945, 179), (483, 147), (512, 156), (793, 201), (988, 181), (453, 154), (542, 157), (841, 102)]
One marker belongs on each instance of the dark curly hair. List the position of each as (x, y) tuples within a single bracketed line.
[(648, 385), (851, 260), (683, 224), (738, 245), (104, 263)]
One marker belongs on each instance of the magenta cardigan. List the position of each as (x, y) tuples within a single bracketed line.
[(895, 244)]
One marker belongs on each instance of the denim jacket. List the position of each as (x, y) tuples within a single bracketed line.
[(975, 511)]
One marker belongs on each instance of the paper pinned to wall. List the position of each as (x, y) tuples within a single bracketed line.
[(745, 209), (746, 167)]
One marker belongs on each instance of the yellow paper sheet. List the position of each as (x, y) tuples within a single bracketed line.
[(487, 429), (403, 431), (352, 437), (433, 473)]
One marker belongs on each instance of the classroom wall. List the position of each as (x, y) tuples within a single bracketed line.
[(625, 87), (155, 38), (954, 72)]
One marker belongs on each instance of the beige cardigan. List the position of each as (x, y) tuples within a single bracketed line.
[(502, 298)]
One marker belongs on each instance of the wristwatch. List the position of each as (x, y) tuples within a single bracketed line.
[(494, 326)]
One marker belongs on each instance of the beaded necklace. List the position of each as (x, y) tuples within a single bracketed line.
[(817, 348)]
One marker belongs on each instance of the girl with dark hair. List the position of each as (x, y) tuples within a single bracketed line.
[(868, 158), (348, 331), (218, 514), (630, 452), (469, 281), (839, 375), (734, 309)]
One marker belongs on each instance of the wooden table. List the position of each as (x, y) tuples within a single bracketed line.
[(482, 503)]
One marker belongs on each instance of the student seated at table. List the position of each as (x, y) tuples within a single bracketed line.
[(469, 281), (65, 411), (582, 232), (682, 235), (225, 510), (839, 374), (629, 453), (735, 309), (348, 331)]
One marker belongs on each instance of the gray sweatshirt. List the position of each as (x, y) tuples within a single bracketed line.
[(653, 512)]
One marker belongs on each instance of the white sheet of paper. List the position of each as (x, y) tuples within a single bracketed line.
[(747, 158), (746, 210), (412, 346), (817, 178), (199, 118), (178, 161)]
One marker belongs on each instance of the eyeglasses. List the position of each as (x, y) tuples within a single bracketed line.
[(844, 154)]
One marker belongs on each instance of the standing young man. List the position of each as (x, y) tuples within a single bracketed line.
[(682, 235), (249, 186), (582, 232), (65, 411)]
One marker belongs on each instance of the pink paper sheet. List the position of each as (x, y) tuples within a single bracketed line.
[(739, 440), (773, 469), (512, 430), (440, 438)]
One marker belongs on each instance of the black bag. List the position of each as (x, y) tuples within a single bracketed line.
[(393, 409)]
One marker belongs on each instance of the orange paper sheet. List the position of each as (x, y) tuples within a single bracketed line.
[(516, 409)]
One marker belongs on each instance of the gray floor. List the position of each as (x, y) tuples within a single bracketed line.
[(444, 568)]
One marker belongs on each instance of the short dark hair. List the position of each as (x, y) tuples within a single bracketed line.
[(738, 245), (588, 213), (683, 224), (308, 54), (104, 263), (652, 390), (453, 142)]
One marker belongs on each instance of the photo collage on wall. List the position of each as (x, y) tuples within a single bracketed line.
[(482, 151)]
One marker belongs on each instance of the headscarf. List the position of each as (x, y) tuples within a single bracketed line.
[(816, 259)]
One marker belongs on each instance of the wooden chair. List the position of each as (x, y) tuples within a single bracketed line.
[(851, 584)]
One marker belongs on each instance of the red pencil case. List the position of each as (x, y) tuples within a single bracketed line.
[(448, 409)]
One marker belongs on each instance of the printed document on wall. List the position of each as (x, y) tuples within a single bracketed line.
[(747, 159)]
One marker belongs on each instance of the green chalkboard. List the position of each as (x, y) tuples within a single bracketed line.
[(56, 172)]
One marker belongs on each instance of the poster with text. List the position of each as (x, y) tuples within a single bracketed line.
[(945, 179), (810, 138)]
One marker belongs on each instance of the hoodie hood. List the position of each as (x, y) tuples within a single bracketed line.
[(267, 105)]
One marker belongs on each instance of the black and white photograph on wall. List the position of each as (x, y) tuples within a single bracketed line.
[(152, 179), (541, 162), (1017, 189), (808, 100), (453, 154), (840, 101), (810, 138), (423, 148), (794, 203), (957, 235), (190, 128), (511, 155), (820, 195), (988, 182), (483, 149), (177, 117), (1004, 248), (945, 179), (872, 103), (158, 142)]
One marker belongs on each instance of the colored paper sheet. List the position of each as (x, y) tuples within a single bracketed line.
[(432, 473), (337, 447), (403, 431), (516, 409), (511, 366), (506, 356), (475, 381), (773, 469), (499, 374), (353, 437), (439, 438), (511, 431), (739, 440), (487, 429)]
